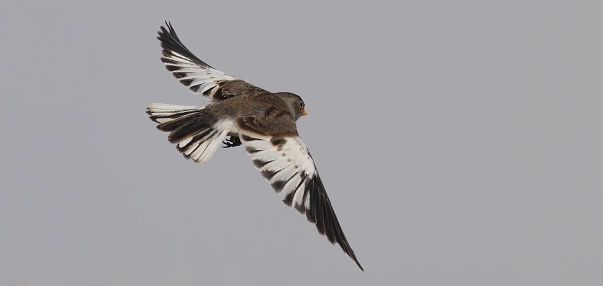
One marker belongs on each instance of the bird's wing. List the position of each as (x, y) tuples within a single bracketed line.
[(286, 163), (192, 72)]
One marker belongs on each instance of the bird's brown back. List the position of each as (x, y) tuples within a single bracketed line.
[(261, 113)]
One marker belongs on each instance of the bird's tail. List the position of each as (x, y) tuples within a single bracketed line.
[(197, 132)]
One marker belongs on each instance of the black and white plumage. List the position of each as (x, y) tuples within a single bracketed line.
[(263, 122), (196, 132), (186, 67), (287, 164)]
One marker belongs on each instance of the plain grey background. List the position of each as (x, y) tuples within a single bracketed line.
[(459, 141)]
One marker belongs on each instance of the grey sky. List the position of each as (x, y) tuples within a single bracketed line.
[(459, 141)]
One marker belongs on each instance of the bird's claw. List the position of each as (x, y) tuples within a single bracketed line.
[(232, 141)]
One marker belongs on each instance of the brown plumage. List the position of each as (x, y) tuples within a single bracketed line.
[(262, 121)]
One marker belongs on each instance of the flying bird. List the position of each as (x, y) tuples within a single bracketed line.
[(262, 121)]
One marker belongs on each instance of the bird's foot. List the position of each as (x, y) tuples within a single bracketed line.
[(232, 141)]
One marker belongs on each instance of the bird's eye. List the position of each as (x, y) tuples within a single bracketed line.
[(301, 104)]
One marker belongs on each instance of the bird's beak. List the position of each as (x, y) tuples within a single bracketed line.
[(303, 112)]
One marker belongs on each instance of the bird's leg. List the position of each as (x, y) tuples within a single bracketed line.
[(232, 141)]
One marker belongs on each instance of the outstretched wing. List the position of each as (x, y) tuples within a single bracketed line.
[(286, 163), (192, 72)]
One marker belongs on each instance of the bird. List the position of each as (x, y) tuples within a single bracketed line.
[(264, 123)]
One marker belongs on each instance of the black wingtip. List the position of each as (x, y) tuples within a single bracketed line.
[(171, 43), (353, 256), (358, 263), (348, 250), (322, 214)]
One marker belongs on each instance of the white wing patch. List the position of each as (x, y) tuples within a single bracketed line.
[(186, 67), (286, 164), (200, 79)]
